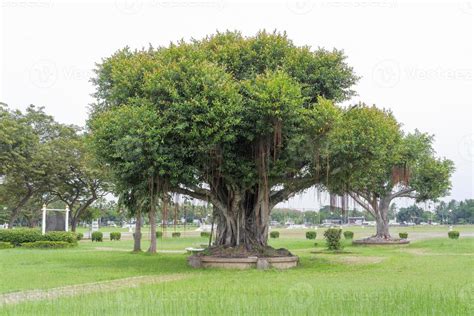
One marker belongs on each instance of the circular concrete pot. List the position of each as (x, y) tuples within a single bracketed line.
[(243, 263)]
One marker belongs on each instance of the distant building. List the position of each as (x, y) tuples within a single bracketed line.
[(332, 221), (356, 220)]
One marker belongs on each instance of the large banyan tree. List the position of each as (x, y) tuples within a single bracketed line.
[(240, 122)]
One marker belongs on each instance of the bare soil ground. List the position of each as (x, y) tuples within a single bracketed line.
[(87, 288)]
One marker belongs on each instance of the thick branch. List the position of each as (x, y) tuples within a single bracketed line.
[(197, 193), (290, 189), (403, 193), (365, 204)]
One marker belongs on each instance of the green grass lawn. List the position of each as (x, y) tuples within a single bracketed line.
[(428, 277)]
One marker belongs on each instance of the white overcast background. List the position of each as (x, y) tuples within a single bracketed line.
[(414, 57)]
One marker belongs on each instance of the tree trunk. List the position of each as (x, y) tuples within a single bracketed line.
[(137, 236), (73, 223), (152, 218), (242, 218), (16, 210), (381, 218)]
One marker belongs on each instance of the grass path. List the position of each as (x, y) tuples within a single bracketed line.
[(86, 288)]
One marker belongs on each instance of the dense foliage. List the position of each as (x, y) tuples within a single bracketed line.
[(333, 238), (237, 121)]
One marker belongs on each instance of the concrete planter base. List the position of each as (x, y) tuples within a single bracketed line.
[(376, 241), (243, 263)]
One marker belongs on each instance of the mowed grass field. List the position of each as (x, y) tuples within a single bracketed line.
[(432, 276)]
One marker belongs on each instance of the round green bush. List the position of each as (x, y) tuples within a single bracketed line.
[(176, 234), (403, 235), (333, 238), (46, 244), (311, 235), (274, 234), (348, 234), (159, 234), (115, 235), (454, 234), (5, 245), (97, 236), (205, 234), (80, 236)]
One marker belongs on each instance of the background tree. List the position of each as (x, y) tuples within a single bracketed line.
[(77, 179), (379, 164), (411, 214), (241, 120), (25, 160)]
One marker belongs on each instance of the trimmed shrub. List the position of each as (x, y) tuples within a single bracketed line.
[(69, 237), (311, 235), (348, 234), (333, 238), (79, 236), (454, 234), (205, 234), (115, 235), (5, 245), (46, 244), (176, 234), (274, 234), (403, 235), (18, 236), (159, 234), (97, 236)]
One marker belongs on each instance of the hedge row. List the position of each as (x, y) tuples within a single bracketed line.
[(45, 244), (20, 236), (5, 245)]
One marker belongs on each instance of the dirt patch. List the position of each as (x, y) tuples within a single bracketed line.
[(423, 252), (128, 250), (86, 288), (244, 252), (359, 260)]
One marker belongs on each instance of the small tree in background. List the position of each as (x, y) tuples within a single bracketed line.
[(379, 163)]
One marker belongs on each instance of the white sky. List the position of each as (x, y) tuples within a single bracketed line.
[(414, 57)]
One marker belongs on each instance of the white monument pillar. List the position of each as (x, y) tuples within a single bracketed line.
[(43, 226), (67, 219)]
